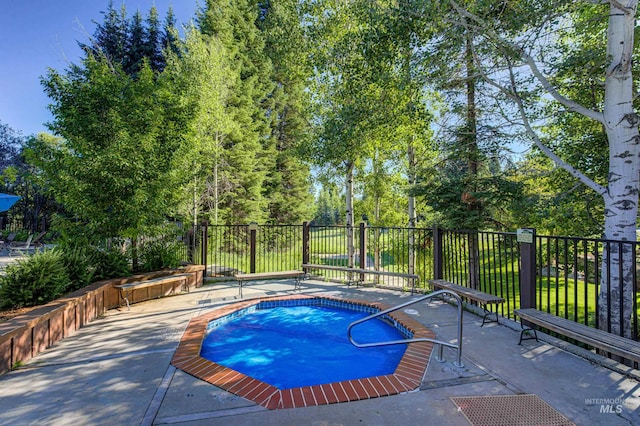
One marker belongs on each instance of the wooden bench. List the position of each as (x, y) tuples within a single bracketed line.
[(600, 339), (359, 273), (127, 289), (482, 298), (296, 275)]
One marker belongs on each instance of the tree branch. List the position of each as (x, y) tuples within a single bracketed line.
[(626, 9), (599, 189), (546, 84), (517, 99)]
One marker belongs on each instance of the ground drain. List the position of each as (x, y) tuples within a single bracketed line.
[(508, 410)]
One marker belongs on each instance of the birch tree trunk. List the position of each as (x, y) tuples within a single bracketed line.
[(411, 180), (350, 234), (472, 153), (621, 197)]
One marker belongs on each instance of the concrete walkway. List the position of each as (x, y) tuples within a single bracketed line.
[(117, 371)]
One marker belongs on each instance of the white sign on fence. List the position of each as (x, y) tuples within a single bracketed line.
[(524, 235)]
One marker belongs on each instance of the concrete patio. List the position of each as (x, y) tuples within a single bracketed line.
[(117, 370)]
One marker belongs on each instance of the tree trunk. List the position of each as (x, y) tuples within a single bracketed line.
[(216, 193), (621, 198), (350, 232), (411, 180), (471, 150)]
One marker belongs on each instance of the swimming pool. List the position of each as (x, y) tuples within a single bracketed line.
[(293, 346), (404, 375)]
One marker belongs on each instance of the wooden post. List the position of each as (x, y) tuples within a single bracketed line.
[(363, 249), (253, 229), (527, 241), (305, 244), (437, 253), (205, 246)]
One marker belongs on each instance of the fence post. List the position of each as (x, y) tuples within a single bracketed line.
[(437, 253), (205, 246), (191, 243), (305, 244), (527, 241), (253, 229), (363, 248)]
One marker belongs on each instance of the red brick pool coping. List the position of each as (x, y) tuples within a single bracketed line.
[(407, 376)]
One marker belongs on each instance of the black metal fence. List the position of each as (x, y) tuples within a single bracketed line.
[(565, 278)]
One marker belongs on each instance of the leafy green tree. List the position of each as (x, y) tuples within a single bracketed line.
[(329, 206), (522, 66), (10, 144), (201, 77), (18, 177), (112, 166), (169, 38), (153, 48)]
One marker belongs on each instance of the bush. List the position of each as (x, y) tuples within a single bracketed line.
[(159, 254), (34, 280), (79, 266), (109, 262), (44, 276)]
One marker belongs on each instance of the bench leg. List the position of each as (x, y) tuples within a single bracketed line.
[(487, 314), (296, 285), (124, 295), (441, 296), (240, 288), (527, 330)]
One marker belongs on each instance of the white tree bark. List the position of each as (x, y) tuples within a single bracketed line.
[(411, 180), (621, 123), (350, 222), (621, 198)]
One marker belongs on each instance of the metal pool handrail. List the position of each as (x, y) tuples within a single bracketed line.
[(439, 358)]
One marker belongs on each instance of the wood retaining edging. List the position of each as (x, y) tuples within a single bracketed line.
[(23, 337)]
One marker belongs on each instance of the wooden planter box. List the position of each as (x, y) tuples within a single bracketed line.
[(23, 337)]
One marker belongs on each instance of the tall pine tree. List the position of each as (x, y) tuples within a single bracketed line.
[(249, 150), (288, 187), (126, 42)]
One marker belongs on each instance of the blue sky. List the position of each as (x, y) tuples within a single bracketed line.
[(37, 34)]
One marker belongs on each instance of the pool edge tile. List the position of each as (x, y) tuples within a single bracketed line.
[(407, 376)]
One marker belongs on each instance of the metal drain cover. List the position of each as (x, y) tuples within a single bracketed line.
[(509, 410)]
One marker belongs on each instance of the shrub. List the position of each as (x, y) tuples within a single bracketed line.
[(34, 280), (110, 262), (159, 254), (79, 266)]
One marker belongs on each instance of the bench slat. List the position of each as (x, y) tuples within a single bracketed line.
[(152, 282), (361, 271), (467, 292), (412, 277), (127, 289), (241, 277), (264, 275), (475, 295), (601, 339)]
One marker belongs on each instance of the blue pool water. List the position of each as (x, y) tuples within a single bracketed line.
[(290, 347)]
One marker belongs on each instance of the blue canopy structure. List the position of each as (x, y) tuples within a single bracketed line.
[(7, 200)]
